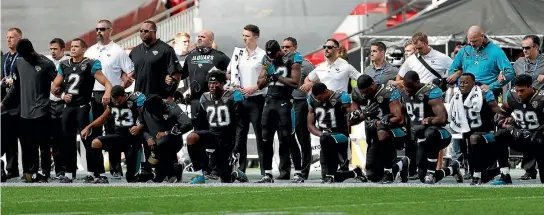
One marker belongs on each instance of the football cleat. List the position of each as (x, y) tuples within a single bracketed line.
[(456, 174), (64, 179), (476, 181), (144, 176), (429, 179), (116, 175), (387, 178), (329, 179), (297, 178), (414, 177), (199, 179), (505, 179), (528, 176), (267, 178), (88, 179), (359, 175), (101, 180), (240, 176), (404, 171)]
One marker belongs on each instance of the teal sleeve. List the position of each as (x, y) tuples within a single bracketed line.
[(395, 95), (59, 70), (435, 93), (96, 66), (140, 99), (346, 99), (297, 58), (238, 97), (489, 97)]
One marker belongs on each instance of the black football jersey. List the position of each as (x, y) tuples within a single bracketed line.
[(417, 106), (331, 115), (528, 115), (221, 112), (126, 115), (384, 96), (79, 79), (283, 69)]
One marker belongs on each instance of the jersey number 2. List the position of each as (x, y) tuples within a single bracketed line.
[(73, 81), (216, 114), (122, 117), (282, 72)]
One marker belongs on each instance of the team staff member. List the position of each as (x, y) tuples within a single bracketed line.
[(10, 113), (56, 47), (485, 60), (334, 72), (118, 69), (301, 127), (533, 65), (156, 70), (32, 76), (249, 66), (381, 71), (197, 65)]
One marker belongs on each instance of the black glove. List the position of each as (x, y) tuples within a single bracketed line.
[(325, 134), (385, 120), (273, 78), (371, 111), (355, 115)]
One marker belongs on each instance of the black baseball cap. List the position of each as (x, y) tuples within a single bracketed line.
[(272, 47)]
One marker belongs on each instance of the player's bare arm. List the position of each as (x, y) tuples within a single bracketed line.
[(311, 123), (101, 78), (294, 80), (397, 115), (57, 82), (439, 110), (261, 82), (99, 122)]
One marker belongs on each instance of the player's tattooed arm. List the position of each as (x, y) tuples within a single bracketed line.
[(311, 123), (99, 122), (397, 115), (261, 82), (294, 80), (439, 110)]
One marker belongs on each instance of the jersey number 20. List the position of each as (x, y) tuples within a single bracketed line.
[(218, 116)]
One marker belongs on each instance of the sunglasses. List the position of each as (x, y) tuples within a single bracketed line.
[(526, 47), (145, 31), (102, 29), (286, 47), (328, 47)]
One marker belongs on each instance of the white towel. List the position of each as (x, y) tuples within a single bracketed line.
[(458, 115), (235, 60)]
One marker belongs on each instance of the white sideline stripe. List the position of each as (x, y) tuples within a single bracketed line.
[(253, 211), (64, 213)]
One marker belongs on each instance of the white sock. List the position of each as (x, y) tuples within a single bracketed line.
[(298, 172), (268, 172), (199, 172), (477, 174), (69, 175), (387, 170), (103, 174), (90, 173), (451, 170), (400, 165), (505, 170), (431, 171)]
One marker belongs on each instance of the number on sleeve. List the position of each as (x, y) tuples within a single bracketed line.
[(73, 81), (122, 117), (281, 71), (415, 111), (218, 116)]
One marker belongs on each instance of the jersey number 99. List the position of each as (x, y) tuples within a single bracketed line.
[(527, 120)]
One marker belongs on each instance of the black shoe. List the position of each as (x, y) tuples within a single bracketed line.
[(456, 173), (476, 181), (285, 176), (178, 168), (101, 180), (297, 178), (88, 179), (404, 171), (267, 178), (329, 179), (45, 179), (359, 175), (528, 176), (387, 178), (4, 177), (11, 175), (414, 177), (32, 178), (64, 179), (505, 179), (116, 175), (144, 176)]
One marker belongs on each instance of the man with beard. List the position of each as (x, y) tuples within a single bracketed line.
[(57, 47), (222, 108), (31, 74), (118, 69), (77, 75), (156, 70), (281, 74)]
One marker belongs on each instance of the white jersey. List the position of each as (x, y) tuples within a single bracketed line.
[(114, 61)]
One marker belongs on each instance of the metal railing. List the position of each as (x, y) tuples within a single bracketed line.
[(167, 26)]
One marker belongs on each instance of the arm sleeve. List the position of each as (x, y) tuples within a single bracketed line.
[(435, 93), (489, 97), (345, 98), (457, 63), (96, 66), (173, 63), (126, 63), (504, 65), (59, 70), (395, 95), (297, 58), (353, 73), (223, 62)]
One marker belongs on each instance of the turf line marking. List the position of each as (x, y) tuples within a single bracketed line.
[(64, 213), (284, 185)]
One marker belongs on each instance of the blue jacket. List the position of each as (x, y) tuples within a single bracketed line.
[(485, 63)]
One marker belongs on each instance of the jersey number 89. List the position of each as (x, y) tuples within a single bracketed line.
[(218, 116)]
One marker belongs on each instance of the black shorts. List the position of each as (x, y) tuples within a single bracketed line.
[(212, 140), (278, 113), (119, 143)]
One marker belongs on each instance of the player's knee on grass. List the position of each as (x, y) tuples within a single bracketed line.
[(96, 144), (192, 138), (383, 135)]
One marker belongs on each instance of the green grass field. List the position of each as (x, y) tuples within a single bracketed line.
[(272, 200)]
